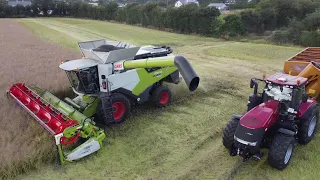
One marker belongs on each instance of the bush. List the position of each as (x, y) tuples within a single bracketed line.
[(281, 37), (252, 21), (243, 5), (233, 25), (310, 38), (312, 21), (207, 21)]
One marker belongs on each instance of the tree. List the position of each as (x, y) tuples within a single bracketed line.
[(42, 5), (252, 21), (233, 25)]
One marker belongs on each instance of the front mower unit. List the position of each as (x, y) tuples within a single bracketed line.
[(62, 121)]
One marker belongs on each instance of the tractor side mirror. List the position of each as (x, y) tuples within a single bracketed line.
[(251, 83), (254, 84), (305, 97)]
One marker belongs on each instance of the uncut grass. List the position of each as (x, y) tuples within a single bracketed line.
[(25, 58), (183, 140)]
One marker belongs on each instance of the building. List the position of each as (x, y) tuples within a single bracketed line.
[(220, 6), (234, 1), (184, 2), (19, 2), (121, 5), (93, 3), (230, 1)]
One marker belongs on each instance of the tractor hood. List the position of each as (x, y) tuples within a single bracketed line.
[(259, 116)]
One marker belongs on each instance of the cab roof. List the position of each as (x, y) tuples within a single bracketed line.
[(286, 79), (78, 64)]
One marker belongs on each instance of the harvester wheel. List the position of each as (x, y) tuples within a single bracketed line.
[(161, 96), (280, 151), (120, 107), (308, 127), (228, 133)]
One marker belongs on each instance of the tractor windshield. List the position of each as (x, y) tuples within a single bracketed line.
[(276, 92)]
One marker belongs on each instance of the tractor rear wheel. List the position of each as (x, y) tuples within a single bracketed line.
[(228, 133), (308, 127), (120, 108), (161, 96), (280, 151)]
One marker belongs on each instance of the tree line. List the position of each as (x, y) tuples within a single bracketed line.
[(281, 21)]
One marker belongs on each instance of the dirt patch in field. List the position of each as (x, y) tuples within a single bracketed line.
[(26, 58)]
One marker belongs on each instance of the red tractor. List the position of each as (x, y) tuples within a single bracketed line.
[(276, 119)]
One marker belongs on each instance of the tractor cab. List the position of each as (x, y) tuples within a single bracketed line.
[(289, 91)]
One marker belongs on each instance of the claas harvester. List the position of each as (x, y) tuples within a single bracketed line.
[(283, 113), (109, 79)]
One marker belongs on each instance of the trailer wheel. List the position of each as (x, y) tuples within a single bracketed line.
[(308, 127), (120, 108), (228, 133), (280, 151), (161, 96)]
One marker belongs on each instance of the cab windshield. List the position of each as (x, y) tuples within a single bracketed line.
[(84, 80), (279, 93)]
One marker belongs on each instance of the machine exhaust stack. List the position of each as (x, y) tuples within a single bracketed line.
[(189, 75), (181, 63)]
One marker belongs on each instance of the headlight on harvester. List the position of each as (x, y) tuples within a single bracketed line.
[(245, 142)]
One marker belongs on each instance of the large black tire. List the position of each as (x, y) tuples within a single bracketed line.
[(308, 126), (280, 151), (121, 110), (161, 96), (228, 133)]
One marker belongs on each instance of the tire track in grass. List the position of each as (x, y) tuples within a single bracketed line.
[(72, 32), (73, 27)]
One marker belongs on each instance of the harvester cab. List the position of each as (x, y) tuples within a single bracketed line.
[(109, 78), (278, 116)]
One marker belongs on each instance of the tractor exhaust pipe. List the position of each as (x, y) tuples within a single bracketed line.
[(189, 75)]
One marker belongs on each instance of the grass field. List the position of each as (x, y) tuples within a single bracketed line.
[(183, 140)]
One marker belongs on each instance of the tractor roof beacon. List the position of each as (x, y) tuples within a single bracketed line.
[(109, 78), (276, 118)]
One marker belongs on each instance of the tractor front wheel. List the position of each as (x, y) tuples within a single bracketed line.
[(120, 108), (280, 151), (161, 96), (228, 133), (308, 127)]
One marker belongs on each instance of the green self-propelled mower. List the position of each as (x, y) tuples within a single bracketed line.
[(109, 78)]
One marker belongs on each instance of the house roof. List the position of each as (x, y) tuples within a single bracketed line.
[(22, 3), (121, 4), (188, 1), (217, 5)]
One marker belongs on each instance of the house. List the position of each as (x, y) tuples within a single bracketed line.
[(93, 3), (184, 2), (220, 6), (234, 1), (230, 1), (19, 2), (120, 5)]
